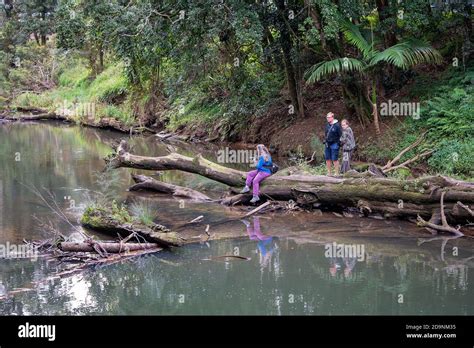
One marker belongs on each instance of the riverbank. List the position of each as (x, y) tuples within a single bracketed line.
[(284, 248), (299, 139)]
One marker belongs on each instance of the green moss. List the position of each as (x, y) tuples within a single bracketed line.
[(93, 215), (120, 213), (400, 173)]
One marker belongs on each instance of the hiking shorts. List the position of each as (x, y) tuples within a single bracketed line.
[(331, 152)]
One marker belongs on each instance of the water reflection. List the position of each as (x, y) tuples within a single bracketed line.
[(265, 243), (297, 282), (347, 264), (290, 273)]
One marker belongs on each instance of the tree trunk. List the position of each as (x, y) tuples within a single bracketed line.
[(144, 182), (102, 219), (383, 9), (113, 248), (315, 15), (388, 196), (286, 47)]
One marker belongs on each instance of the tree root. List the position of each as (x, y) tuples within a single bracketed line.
[(444, 227)]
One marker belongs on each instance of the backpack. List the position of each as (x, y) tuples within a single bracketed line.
[(273, 168)]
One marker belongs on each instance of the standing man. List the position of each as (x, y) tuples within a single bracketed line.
[(331, 151)]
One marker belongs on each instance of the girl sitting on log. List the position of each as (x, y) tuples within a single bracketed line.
[(256, 176)]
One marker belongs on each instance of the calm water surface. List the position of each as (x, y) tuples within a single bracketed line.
[(398, 269)]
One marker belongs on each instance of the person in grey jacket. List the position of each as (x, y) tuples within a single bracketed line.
[(348, 146)]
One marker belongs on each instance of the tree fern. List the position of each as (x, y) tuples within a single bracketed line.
[(354, 36), (407, 54), (322, 69)]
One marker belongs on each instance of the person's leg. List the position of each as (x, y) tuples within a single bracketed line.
[(248, 181), (328, 167), (256, 182), (334, 157), (327, 157), (336, 167), (251, 233), (344, 166), (349, 155)]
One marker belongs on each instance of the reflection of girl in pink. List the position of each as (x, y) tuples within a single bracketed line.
[(264, 242)]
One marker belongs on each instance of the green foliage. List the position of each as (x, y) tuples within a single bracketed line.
[(407, 54), (449, 115), (33, 100), (317, 147), (89, 216), (400, 173), (404, 55), (121, 113), (454, 157), (143, 212), (120, 213), (109, 85), (74, 76), (216, 66), (323, 69)]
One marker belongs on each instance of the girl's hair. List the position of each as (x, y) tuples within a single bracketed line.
[(263, 151), (345, 120)]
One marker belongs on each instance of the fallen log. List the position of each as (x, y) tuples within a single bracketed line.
[(197, 165), (144, 182), (105, 221), (37, 114), (400, 198), (34, 117)]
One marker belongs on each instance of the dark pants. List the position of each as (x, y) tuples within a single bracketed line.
[(346, 161)]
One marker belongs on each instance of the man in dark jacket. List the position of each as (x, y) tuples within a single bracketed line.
[(332, 133)]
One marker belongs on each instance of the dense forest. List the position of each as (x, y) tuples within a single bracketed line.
[(254, 71)]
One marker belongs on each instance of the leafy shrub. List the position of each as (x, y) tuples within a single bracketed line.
[(317, 147), (74, 76), (33, 100), (109, 85), (450, 115), (454, 157)]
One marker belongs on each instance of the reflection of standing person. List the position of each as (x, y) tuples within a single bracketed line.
[(348, 146), (3, 290), (334, 266), (265, 245), (350, 263)]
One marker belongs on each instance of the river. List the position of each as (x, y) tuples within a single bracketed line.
[(292, 267)]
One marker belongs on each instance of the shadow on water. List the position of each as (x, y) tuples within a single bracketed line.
[(299, 263)]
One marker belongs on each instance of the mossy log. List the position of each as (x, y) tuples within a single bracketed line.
[(105, 221), (391, 197), (37, 114), (144, 182)]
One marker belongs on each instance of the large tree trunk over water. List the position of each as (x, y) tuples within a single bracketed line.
[(144, 182), (406, 198)]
